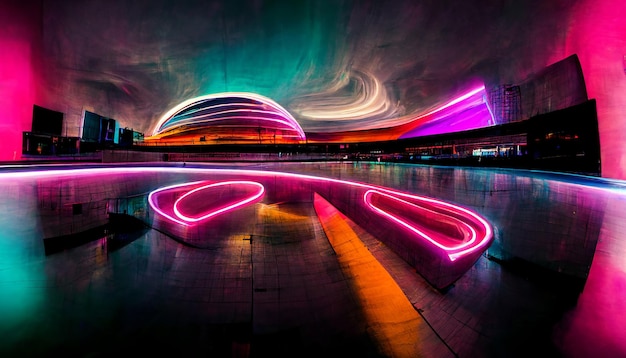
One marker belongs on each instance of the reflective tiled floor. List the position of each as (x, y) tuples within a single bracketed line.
[(276, 286)]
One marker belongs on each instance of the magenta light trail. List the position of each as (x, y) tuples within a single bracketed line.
[(452, 251), (431, 246), (451, 103), (174, 213), (153, 196), (466, 112), (237, 204), (493, 117), (484, 234)]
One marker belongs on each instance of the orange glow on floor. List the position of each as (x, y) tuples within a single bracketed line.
[(393, 321)]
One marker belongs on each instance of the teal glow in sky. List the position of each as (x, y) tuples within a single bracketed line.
[(335, 66)]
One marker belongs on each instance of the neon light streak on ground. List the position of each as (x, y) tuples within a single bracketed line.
[(233, 206), (464, 244), (482, 242), (152, 198), (386, 192)]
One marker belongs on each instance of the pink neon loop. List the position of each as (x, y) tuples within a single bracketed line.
[(452, 251), (484, 230), (259, 193), (476, 241), (153, 200), (174, 214)]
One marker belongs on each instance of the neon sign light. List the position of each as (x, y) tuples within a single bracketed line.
[(453, 251), (176, 214), (399, 208), (441, 240), (462, 219)]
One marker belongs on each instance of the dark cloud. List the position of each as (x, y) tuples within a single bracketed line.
[(134, 60)]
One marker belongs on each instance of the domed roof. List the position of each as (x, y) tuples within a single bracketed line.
[(228, 110)]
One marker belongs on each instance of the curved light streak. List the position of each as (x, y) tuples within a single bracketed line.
[(481, 241), (468, 111), (449, 249), (369, 100), (454, 101), (235, 205), (244, 118), (204, 118), (164, 122), (152, 201), (453, 252)]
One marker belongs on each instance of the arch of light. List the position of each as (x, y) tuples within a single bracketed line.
[(234, 111)]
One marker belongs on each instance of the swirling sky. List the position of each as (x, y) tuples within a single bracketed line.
[(336, 65)]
